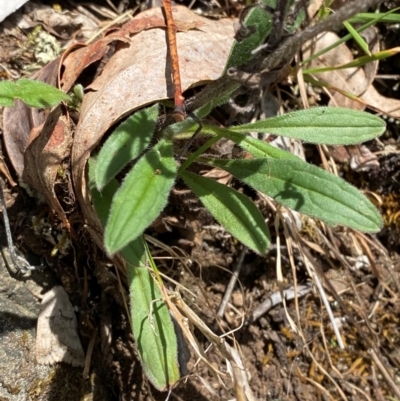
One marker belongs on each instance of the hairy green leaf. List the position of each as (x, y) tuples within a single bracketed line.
[(153, 329), (127, 142), (256, 27), (33, 93), (152, 325), (233, 210), (141, 197), (307, 189), (324, 125)]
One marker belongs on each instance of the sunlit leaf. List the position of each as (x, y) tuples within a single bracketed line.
[(233, 210), (126, 143), (141, 197), (307, 189), (323, 125), (33, 93)]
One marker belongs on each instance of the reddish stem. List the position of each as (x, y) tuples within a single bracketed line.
[(179, 110)]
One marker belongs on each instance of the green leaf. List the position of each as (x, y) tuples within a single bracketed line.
[(307, 189), (33, 93), (389, 17), (258, 22), (152, 326), (260, 148), (323, 125), (357, 37), (134, 252), (233, 210), (127, 142), (141, 197), (153, 330)]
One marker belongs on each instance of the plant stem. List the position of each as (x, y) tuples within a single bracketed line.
[(284, 53), (179, 110)]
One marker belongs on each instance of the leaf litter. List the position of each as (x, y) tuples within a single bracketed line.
[(57, 338)]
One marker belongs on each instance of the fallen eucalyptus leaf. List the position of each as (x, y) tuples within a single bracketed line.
[(48, 147)]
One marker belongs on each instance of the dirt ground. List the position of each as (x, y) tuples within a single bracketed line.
[(281, 364)]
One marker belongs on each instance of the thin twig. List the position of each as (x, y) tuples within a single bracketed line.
[(189, 142), (377, 387), (276, 298), (329, 310), (179, 110), (232, 282), (19, 262), (385, 372)]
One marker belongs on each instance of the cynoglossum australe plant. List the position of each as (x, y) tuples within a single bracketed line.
[(128, 208)]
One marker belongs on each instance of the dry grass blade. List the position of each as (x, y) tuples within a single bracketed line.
[(239, 373)]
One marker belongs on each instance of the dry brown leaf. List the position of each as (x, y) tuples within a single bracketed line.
[(353, 80), (219, 175), (63, 24), (139, 74), (387, 105), (78, 57), (359, 157), (357, 81), (47, 149), (57, 338)]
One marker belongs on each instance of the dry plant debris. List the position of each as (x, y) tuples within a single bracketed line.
[(354, 81), (57, 339)]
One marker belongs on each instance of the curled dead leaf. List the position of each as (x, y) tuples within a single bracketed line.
[(47, 149)]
